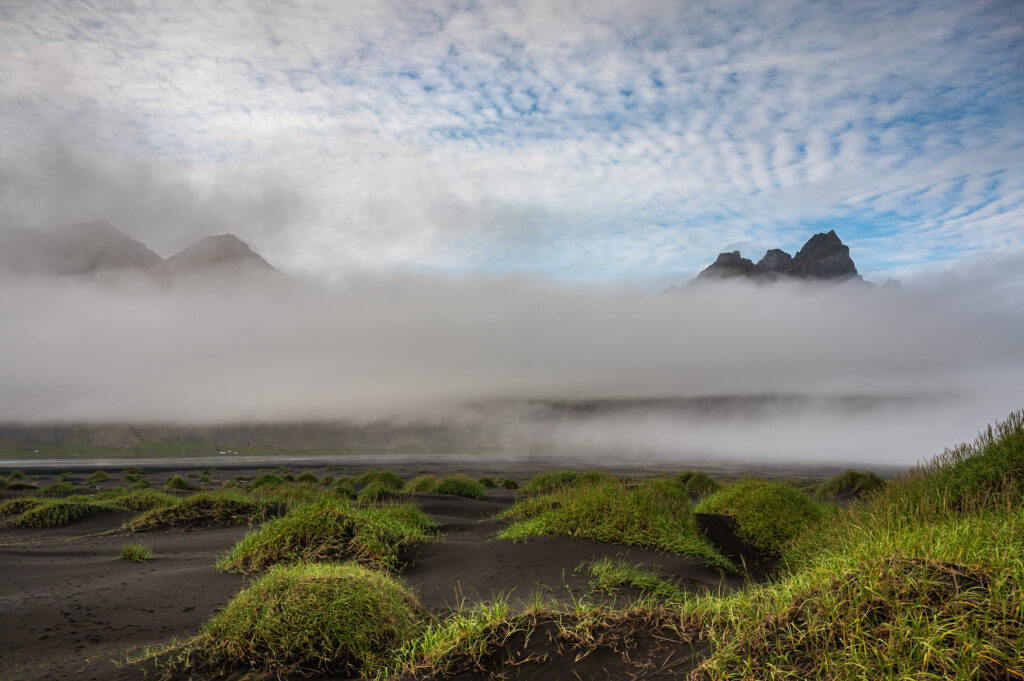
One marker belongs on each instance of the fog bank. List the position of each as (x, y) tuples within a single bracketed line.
[(833, 372)]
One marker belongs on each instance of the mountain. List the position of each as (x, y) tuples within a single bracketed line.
[(81, 249), (91, 248), (220, 254), (823, 258)]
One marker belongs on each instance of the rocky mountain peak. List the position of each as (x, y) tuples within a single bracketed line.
[(218, 252)]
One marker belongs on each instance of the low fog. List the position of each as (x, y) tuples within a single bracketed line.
[(724, 372)]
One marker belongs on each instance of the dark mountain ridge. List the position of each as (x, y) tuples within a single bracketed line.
[(823, 258)]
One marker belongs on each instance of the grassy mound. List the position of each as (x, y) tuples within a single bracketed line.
[(383, 477), (460, 486), (177, 482), (378, 491), (654, 514), (697, 482), (922, 580), (57, 513), (898, 617), (421, 483), (307, 478), (138, 500), (307, 619), (98, 476), (15, 507), (61, 487), (768, 514), (551, 481), (206, 509), (851, 484), (331, 530)]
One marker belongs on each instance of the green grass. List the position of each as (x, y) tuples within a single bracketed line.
[(768, 514), (177, 482), (654, 514), (98, 476), (15, 507), (382, 477), (378, 490), (421, 483), (17, 475), (551, 481), (923, 580), (206, 509), (488, 482), (460, 486), (20, 486), (138, 500), (137, 553), (331, 530), (852, 483), (610, 574), (320, 618), (60, 488), (307, 478), (57, 513), (697, 482), (132, 470), (509, 484)]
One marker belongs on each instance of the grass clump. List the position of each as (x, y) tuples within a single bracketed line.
[(17, 475), (132, 470), (850, 484), (140, 500), (509, 484), (20, 486), (382, 477), (206, 509), (488, 482), (654, 514), (60, 487), (697, 482), (57, 513), (98, 476), (378, 490), (320, 618), (15, 507), (460, 486), (137, 553), (545, 483), (331, 530), (421, 483), (307, 478), (768, 514), (177, 482), (921, 580), (609, 574)]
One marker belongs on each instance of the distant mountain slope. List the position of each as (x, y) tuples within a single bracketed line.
[(223, 253), (81, 249), (97, 247)]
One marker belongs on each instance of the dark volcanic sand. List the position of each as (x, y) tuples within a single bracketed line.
[(71, 606)]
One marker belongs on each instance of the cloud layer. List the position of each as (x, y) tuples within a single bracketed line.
[(841, 371), (591, 140)]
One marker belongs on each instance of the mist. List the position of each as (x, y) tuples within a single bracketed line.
[(788, 372)]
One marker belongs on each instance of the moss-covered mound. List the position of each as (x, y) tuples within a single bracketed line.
[(768, 514), (655, 514), (307, 619), (331, 530), (850, 485), (207, 509), (697, 482)]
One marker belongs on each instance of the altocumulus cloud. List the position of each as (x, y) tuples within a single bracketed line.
[(588, 140)]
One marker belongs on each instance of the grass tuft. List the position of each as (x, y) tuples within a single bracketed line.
[(460, 486), (331, 530), (177, 482), (768, 514), (206, 509), (851, 484), (654, 514), (98, 476), (138, 553), (383, 477), (421, 483), (318, 619)]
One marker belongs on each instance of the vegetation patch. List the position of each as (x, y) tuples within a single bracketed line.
[(654, 514), (697, 482), (98, 476), (850, 485), (421, 483), (611, 574), (137, 553), (332, 530), (768, 514), (139, 500), (378, 490), (57, 513), (177, 482), (132, 470), (206, 509), (306, 619), (551, 481), (61, 487), (382, 477), (460, 486), (15, 507), (307, 478)]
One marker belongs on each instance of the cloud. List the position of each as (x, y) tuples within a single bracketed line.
[(844, 372), (586, 141)]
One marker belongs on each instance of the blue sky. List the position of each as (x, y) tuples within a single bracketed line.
[(586, 140)]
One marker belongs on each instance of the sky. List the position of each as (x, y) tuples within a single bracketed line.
[(578, 141)]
